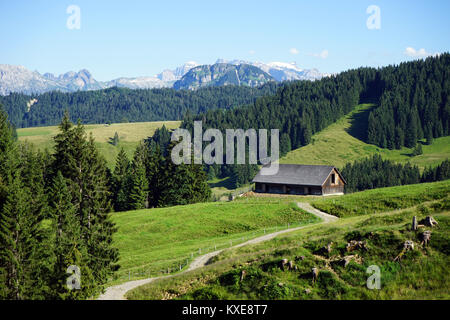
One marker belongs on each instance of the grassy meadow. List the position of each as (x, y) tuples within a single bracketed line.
[(130, 134), (421, 273), (383, 199), (341, 142), (151, 241)]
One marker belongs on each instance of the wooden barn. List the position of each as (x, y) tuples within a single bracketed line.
[(301, 180)]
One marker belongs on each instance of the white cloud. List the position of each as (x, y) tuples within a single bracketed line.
[(294, 51), (252, 52), (421, 53), (323, 54)]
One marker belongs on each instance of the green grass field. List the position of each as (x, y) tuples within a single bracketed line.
[(153, 240), (383, 199), (421, 273), (339, 143), (129, 136)]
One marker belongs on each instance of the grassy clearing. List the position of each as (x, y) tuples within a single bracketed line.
[(383, 199), (421, 274), (129, 136), (340, 143), (221, 188), (151, 241)]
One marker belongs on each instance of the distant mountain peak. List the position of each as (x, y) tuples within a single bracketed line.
[(221, 74), (17, 78)]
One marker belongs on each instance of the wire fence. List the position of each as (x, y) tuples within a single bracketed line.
[(182, 263)]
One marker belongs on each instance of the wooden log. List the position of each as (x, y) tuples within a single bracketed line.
[(428, 221)]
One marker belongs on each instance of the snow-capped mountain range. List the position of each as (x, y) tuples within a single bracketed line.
[(19, 79)]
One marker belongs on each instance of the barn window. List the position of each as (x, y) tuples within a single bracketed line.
[(333, 178)]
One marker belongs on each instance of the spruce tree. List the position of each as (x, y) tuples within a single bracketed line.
[(69, 248), (138, 180), (120, 181), (20, 239), (85, 171)]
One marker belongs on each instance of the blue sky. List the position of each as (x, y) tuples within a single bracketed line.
[(141, 38)]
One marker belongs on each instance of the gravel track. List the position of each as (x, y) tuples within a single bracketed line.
[(118, 292)]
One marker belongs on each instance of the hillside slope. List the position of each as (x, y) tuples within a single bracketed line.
[(341, 142), (155, 241), (130, 134), (421, 273)]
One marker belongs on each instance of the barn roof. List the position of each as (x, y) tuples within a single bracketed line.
[(298, 174)]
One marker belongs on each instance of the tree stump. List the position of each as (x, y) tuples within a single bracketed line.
[(408, 245), (315, 275), (283, 264), (329, 247), (243, 274), (414, 223), (291, 265), (346, 260), (426, 237), (429, 222), (353, 245)]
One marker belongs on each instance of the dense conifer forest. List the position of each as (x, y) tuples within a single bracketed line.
[(116, 105), (55, 208), (374, 172), (412, 102)]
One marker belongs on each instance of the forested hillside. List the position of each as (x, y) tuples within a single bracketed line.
[(411, 101), (115, 105)]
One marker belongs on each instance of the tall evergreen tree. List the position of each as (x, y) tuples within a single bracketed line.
[(20, 236), (120, 181), (138, 180), (85, 171), (69, 248)]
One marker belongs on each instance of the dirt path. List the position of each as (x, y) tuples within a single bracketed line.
[(118, 292)]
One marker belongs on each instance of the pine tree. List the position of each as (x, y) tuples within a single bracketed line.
[(8, 165), (153, 167), (115, 140), (68, 248), (411, 133), (372, 136), (120, 181), (138, 183), (285, 144), (417, 150), (428, 135), (85, 171), (20, 237), (399, 138)]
